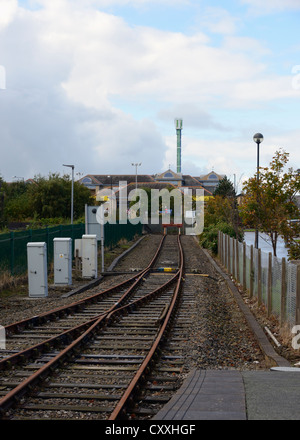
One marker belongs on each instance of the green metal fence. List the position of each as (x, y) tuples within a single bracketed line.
[(13, 245), (113, 233)]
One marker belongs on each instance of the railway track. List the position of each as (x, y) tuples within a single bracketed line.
[(64, 322), (112, 364)]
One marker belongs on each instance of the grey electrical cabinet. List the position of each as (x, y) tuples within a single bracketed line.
[(92, 225), (89, 256), (37, 269), (62, 261)]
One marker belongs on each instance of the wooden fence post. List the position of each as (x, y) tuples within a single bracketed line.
[(259, 293), (251, 271), (283, 292), (220, 246), (233, 258), (269, 305), (225, 254), (237, 259), (228, 253), (244, 268), (223, 248)]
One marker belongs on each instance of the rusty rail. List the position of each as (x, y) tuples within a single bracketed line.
[(16, 326), (88, 329), (128, 396), (66, 335)]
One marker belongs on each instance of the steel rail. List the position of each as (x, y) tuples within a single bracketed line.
[(20, 390), (135, 280), (34, 350), (35, 320), (16, 327), (65, 336), (134, 386)]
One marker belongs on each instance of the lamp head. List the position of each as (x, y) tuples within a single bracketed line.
[(258, 138)]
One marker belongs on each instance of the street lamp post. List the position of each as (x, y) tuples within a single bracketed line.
[(111, 192), (72, 191), (258, 138), (110, 177), (136, 165)]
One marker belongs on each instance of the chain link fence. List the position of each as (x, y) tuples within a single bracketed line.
[(13, 245), (275, 282)]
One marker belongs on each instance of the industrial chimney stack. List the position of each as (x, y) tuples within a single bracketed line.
[(178, 125)]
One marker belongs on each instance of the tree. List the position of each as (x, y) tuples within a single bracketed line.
[(16, 203), (226, 201), (269, 203), (52, 197), (218, 209), (18, 207), (225, 188), (221, 214), (44, 198)]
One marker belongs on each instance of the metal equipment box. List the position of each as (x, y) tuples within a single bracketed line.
[(37, 269), (62, 261), (89, 256), (92, 226), (78, 247)]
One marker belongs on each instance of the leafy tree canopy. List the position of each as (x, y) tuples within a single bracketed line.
[(225, 188), (45, 197), (269, 202)]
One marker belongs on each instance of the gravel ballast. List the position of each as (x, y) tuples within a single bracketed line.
[(219, 337)]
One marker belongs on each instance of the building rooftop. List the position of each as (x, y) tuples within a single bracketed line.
[(208, 182)]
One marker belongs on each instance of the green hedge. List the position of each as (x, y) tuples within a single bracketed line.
[(209, 237)]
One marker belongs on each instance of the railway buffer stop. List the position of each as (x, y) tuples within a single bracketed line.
[(167, 226)]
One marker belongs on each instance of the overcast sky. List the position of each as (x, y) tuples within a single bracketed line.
[(98, 84)]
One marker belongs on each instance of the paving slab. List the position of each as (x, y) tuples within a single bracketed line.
[(272, 395), (208, 395), (236, 395)]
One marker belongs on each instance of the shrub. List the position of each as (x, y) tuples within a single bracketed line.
[(209, 237)]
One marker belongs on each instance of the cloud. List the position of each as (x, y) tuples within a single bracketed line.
[(265, 89), (108, 4), (41, 131), (132, 141), (41, 125), (76, 63), (193, 117), (8, 11), (218, 20), (267, 6), (112, 59), (245, 45), (200, 156)]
